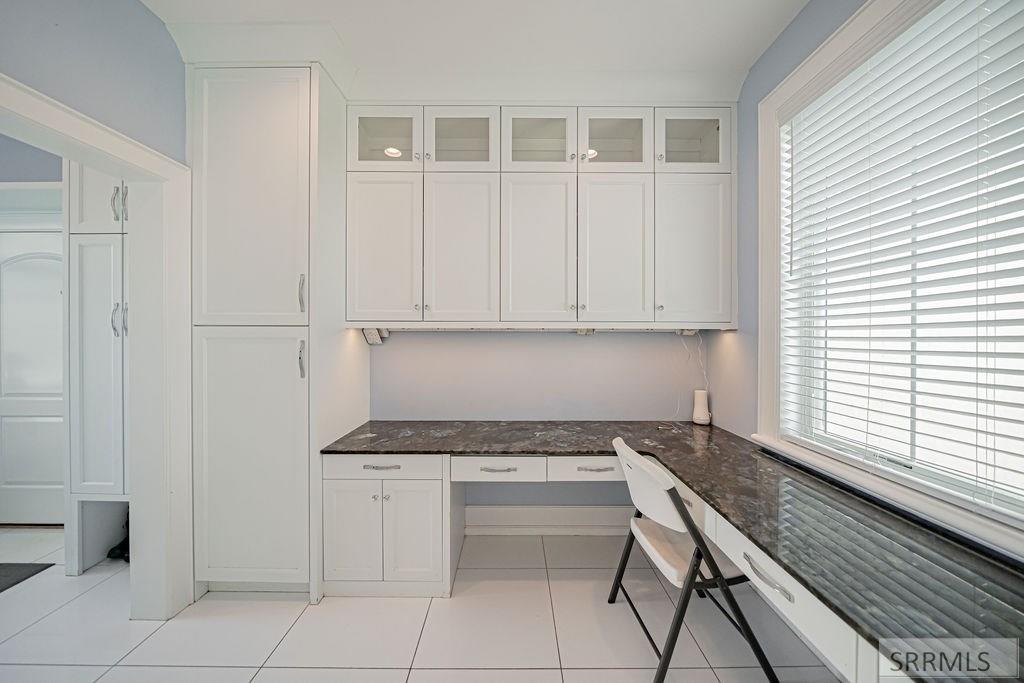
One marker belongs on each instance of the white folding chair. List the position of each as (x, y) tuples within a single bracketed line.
[(667, 533)]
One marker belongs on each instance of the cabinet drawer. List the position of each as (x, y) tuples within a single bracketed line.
[(491, 468), (815, 622), (382, 467), (584, 468)]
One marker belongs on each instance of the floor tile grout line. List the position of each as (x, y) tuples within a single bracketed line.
[(281, 639), (685, 625), (62, 605), (551, 601), (423, 627)]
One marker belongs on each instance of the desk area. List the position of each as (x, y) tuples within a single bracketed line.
[(842, 570)]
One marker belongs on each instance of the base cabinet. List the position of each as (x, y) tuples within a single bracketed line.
[(353, 518), (412, 530)]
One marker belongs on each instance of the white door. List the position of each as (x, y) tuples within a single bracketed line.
[(693, 234), (412, 530), (538, 246), (353, 530), (461, 246), (461, 138), (693, 139), (250, 453), (385, 138), (539, 139), (616, 140), (94, 200), (32, 460), (616, 247), (97, 364), (385, 246), (250, 234)]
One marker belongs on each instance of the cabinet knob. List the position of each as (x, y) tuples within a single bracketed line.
[(572, 307), (661, 308), (661, 157), (416, 156), (375, 497), (387, 496), (415, 307), (583, 307), (427, 156), (426, 307), (572, 156)]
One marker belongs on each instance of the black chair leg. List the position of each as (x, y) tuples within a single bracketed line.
[(617, 583), (748, 633), (677, 619)]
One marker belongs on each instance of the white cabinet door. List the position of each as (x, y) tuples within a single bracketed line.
[(538, 139), (250, 454), (412, 530), (461, 138), (461, 246), (616, 140), (250, 234), (97, 370), (693, 268), (33, 458), (616, 247), (353, 530), (385, 138), (693, 139), (538, 246), (385, 246), (94, 200)]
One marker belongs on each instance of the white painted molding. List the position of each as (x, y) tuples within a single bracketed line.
[(554, 520)]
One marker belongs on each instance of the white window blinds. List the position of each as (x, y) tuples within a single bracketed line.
[(903, 259)]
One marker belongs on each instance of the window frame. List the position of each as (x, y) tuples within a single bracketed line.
[(873, 26)]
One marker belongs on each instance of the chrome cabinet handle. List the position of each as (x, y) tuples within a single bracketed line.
[(427, 156), (382, 467), (572, 307), (687, 502), (113, 322), (113, 203), (772, 583), (124, 202), (584, 468), (416, 156), (124, 319), (583, 307), (375, 497), (661, 157), (498, 470), (302, 359), (661, 308), (415, 307), (387, 496), (302, 293), (426, 307), (572, 156)]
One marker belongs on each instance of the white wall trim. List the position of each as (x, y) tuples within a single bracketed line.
[(554, 520), (870, 28)]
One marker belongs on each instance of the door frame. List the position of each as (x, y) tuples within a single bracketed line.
[(159, 440)]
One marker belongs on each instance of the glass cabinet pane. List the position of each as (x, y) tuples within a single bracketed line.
[(462, 139), (692, 141), (615, 140), (385, 138), (539, 139)]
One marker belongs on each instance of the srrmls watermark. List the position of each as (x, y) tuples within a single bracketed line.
[(944, 658)]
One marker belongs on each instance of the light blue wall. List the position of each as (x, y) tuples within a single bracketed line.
[(733, 355), (24, 163), (112, 60)]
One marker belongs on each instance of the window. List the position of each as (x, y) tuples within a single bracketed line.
[(901, 309)]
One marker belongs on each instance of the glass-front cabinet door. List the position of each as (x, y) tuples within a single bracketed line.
[(538, 139), (461, 138), (693, 139), (385, 138), (616, 139)]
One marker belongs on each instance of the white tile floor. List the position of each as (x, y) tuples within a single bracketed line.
[(523, 610)]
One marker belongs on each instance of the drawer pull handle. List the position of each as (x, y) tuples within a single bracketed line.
[(772, 583), (584, 468), (498, 470), (687, 502), (382, 467)]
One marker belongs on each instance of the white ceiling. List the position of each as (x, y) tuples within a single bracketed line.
[(553, 49)]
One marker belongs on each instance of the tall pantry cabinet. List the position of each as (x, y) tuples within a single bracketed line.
[(263, 141)]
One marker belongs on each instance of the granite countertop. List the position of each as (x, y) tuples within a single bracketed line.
[(885, 575)]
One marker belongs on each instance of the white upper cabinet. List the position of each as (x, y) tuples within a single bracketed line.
[(616, 247), (694, 237), (461, 246), (693, 139), (538, 246), (251, 196), (385, 138), (385, 246), (250, 398), (97, 201), (616, 139), (461, 138), (538, 139)]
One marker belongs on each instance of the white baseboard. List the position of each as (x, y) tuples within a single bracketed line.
[(552, 520)]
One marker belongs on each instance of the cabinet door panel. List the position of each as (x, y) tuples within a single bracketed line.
[(250, 196), (616, 140), (94, 200), (694, 248), (616, 247), (412, 530), (353, 531), (97, 370), (385, 246), (538, 246), (461, 138), (250, 451), (541, 139), (385, 138), (693, 139), (461, 246)]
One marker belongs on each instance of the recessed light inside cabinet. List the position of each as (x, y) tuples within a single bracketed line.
[(591, 153), (392, 152)]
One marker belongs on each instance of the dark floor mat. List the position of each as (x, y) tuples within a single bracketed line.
[(13, 573)]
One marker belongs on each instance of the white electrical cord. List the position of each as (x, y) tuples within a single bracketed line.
[(700, 358)]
